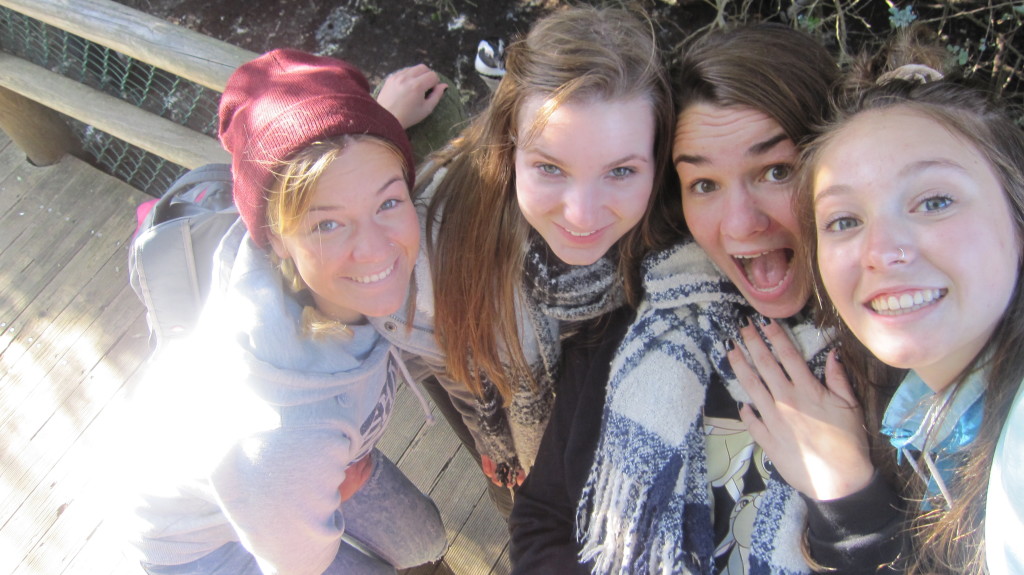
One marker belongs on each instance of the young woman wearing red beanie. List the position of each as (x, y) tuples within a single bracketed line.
[(264, 421)]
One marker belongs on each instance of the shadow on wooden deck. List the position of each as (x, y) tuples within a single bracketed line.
[(73, 340)]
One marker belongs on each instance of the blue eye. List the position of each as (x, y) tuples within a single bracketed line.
[(549, 169), (390, 204), (841, 224), (622, 172), (936, 203), (326, 226)]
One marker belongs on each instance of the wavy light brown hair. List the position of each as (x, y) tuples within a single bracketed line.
[(477, 235), (943, 540)]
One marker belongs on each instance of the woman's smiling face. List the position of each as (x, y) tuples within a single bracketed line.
[(916, 242), (356, 246), (586, 178), (735, 167)]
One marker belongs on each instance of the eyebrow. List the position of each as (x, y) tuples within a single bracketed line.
[(911, 169), (380, 191), (755, 150), (617, 162)]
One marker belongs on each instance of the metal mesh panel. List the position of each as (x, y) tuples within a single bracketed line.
[(113, 73)]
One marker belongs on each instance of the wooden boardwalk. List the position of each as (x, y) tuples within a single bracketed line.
[(73, 340)]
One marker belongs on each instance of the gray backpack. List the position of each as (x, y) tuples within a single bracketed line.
[(170, 260)]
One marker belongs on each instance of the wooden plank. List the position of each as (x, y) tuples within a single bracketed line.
[(43, 234), (484, 531), (407, 421), (503, 566), (55, 413), (10, 158), (182, 52), (20, 197), (428, 455), (150, 132), (37, 256), (68, 512), (49, 352)]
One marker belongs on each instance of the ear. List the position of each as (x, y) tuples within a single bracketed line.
[(278, 244)]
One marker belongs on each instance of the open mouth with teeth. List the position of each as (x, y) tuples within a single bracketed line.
[(375, 277), (906, 302), (767, 271)]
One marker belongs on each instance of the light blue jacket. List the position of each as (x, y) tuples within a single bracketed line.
[(246, 428)]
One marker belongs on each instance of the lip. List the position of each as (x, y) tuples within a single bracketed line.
[(777, 291), (582, 238), (902, 301), (377, 277)]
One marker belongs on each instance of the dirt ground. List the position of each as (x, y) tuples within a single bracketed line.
[(384, 35)]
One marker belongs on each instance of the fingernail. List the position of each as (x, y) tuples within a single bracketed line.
[(729, 345), (739, 406), (744, 321), (765, 320)]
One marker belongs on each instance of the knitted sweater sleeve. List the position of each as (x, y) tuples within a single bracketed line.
[(279, 490), (859, 533)]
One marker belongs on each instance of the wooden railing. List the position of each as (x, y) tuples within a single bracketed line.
[(29, 94)]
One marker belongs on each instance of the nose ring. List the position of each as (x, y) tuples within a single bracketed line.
[(902, 258)]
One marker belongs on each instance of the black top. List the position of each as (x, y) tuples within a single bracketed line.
[(852, 535), (543, 521)]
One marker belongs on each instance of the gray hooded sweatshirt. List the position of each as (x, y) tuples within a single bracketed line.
[(245, 429)]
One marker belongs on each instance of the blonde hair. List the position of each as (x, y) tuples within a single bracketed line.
[(288, 201), (945, 540), (580, 54)]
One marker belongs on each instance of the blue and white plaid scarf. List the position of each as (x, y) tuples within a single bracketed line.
[(645, 507)]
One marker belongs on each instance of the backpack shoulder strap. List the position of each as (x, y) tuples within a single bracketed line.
[(215, 173)]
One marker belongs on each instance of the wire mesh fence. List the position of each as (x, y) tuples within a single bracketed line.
[(113, 73)]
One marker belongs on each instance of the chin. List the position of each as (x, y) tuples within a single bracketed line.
[(788, 305), (574, 258)]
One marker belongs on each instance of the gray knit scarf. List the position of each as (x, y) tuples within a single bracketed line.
[(554, 295), (645, 507)]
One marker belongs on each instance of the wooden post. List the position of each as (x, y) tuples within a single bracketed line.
[(39, 131)]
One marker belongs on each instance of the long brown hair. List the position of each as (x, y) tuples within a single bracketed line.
[(477, 236), (945, 540)]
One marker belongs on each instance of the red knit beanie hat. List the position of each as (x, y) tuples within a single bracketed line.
[(284, 101)]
